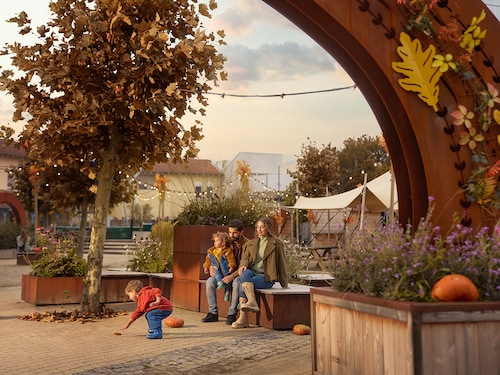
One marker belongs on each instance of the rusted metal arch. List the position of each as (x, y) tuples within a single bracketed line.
[(15, 204), (362, 35)]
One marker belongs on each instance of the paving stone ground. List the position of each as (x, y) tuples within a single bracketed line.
[(29, 347)]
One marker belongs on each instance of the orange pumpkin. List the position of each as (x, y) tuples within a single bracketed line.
[(301, 329), (174, 322), (455, 287)]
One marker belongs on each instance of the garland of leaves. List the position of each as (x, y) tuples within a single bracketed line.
[(423, 68)]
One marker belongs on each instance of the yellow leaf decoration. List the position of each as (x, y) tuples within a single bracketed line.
[(421, 76), (496, 116)]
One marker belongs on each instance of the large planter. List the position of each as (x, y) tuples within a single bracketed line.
[(355, 334), (68, 290), (51, 290)]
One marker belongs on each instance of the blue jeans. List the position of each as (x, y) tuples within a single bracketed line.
[(221, 271), (155, 317), (211, 290), (258, 280)]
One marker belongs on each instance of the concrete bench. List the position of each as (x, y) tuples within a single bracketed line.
[(279, 308)]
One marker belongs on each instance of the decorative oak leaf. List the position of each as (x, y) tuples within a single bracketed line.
[(496, 116), (421, 76)]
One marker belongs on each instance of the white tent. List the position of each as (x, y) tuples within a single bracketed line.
[(377, 198)]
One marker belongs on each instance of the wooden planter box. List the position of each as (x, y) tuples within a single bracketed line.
[(51, 290), (68, 290), (355, 334)]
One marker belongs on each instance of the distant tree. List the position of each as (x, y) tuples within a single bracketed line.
[(106, 84), (362, 155), (60, 189), (317, 170), (243, 171)]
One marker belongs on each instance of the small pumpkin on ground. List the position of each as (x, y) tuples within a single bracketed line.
[(301, 329), (174, 322), (455, 287)]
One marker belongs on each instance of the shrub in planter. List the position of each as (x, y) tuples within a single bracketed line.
[(58, 256), (153, 255), (219, 210)]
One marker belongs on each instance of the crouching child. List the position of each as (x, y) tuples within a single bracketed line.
[(151, 302)]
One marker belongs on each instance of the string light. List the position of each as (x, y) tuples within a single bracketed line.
[(282, 95)]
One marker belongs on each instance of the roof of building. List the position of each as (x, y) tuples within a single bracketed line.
[(193, 166), (11, 150)]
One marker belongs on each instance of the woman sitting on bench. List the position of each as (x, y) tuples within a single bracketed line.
[(262, 264)]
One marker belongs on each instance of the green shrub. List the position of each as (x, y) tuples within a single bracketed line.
[(218, 210), (153, 255), (8, 233), (58, 257), (295, 262)]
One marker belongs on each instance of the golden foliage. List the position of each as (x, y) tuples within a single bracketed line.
[(421, 76)]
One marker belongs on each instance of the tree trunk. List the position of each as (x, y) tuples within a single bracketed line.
[(92, 282), (82, 235)]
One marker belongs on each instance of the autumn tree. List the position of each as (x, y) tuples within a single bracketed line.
[(358, 156), (107, 81), (317, 170)]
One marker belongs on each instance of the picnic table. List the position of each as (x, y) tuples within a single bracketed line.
[(319, 254)]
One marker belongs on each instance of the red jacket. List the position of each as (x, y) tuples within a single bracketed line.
[(147, 295)]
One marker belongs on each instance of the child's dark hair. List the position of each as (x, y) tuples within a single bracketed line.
[(133, 285)]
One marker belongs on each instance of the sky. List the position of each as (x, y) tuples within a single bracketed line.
[(266, 55)]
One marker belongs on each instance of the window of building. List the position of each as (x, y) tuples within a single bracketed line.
[(197, 189)]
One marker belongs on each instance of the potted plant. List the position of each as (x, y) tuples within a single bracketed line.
[(381, 301), (56, 274)]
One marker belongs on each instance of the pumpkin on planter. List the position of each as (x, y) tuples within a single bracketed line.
[(301, 329), (455, 287), (174, 322)]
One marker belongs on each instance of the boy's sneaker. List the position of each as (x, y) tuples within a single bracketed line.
[(157, 334), (210, 318), (227, 298), (220, 285)]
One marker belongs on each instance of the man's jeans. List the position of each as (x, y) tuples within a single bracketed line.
[(211, 289)]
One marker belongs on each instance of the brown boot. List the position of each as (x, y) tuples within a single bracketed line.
[(251, 305), (242, 321)]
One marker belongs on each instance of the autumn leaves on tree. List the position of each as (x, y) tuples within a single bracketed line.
[(105, 85)]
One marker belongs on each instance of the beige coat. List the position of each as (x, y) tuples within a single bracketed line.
[(274, 259)]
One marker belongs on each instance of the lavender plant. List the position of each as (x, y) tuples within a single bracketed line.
[(395, 264)]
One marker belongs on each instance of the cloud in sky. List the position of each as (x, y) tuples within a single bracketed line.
[(278, 62)]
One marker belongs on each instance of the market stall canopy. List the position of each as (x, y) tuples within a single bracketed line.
[(378, 197)]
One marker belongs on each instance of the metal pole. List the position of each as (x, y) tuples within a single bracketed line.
[(363, 198)]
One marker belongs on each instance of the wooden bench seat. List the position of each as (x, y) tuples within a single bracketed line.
[(163, 281), (279, 308)]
